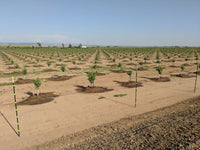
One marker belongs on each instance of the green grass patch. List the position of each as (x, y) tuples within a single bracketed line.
[(101, 97), (119, 95), (4, 84)]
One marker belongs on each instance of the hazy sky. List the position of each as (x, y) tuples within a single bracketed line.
[(102, 22)]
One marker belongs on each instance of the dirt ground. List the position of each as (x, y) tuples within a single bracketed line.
[(172, 127), (72, 111)]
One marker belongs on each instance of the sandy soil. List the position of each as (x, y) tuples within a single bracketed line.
[(173, 127), (73, 111)]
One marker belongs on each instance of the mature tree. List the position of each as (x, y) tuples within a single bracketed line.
[(63, 45), (39, 44), (70, 45), (80, 45)]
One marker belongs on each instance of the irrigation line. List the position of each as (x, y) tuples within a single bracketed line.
[(17, 117)]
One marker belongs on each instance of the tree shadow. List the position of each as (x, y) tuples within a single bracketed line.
[(9, 123)]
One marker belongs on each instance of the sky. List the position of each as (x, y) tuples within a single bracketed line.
[(101, 22)]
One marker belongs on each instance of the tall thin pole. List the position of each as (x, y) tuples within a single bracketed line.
[(17, 118), (136, 87), (195, 84)]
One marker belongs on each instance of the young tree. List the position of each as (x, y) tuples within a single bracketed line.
[(141, 63), (145, 59), (173, 60), (16, 66), (24, 71), (91, 78), (37, 83), (182, 68), (129, 73), (70, 45), (95, 68), (73, 62), (160, 70), (119, 66), (63, 69), (186, 59), (158, 62), (114, 60), (48, 64)]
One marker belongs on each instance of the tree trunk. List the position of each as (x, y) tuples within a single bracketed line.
[(158, 75), (119, 68), (37, 92), (129, 78), (63, 73), (24, 76), (91, 85), (95, 71)]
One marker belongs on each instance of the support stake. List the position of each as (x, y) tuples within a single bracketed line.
[(17, 118)]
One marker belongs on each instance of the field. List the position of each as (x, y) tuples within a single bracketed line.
[(67, 104)]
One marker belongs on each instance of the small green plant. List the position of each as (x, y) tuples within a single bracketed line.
[(145, 59), (37, 83), (129, 73), (62, 68), (141, 63), (24, 71), (173, 60), (182, 68), (114, 59), (160, 70), (101, 97), (91, 78), (60, 59), (120, 95), (48, 64), (131, 58), (95, 68), (73, 62), (119, 66), (16, 66)]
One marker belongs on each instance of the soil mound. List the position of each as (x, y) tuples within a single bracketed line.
[(15, 72), (24, 81), (38, 66), (130, 84), (59, 78), (49, 70), (182, 75), (118, 71), (92, 90), (75, 68), (42, 98), (161, 79)]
